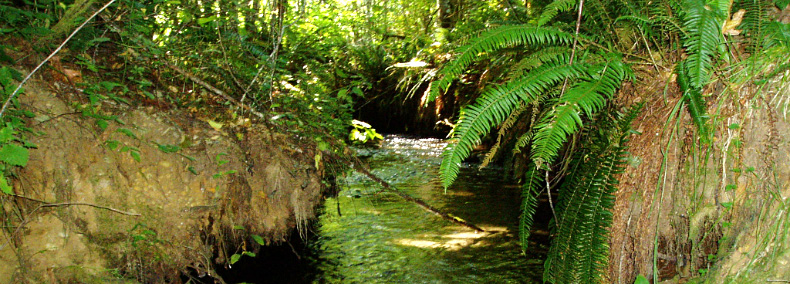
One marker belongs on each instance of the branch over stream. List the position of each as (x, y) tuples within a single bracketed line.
[(361, 169)]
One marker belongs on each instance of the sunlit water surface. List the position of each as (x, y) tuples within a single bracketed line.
[(376, 237)]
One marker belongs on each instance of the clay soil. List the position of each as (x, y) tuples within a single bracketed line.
[(157, 196), (690, 212)]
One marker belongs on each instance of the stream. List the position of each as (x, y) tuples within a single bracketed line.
[(366, 235)]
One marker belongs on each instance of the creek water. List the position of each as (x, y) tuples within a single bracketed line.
[(366, 235)]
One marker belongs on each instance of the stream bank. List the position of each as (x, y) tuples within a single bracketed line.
[(149, 196)]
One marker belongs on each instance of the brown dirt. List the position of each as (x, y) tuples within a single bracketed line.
[(193, 203), (681, 204)]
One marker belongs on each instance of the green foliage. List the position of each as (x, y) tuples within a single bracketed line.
[(565, 118), (579, 251), (692, 96), (597, 85), (491, 41), (494, 105), (552, 9), (14, 146), (702, 23), (363, 133), (533, 185), (565, 95)]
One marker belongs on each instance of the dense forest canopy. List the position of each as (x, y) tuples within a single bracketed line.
[(539, 82)]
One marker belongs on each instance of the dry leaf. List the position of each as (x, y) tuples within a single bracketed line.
[(729, 25)]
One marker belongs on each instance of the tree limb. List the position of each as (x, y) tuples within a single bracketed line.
[(427, 207)]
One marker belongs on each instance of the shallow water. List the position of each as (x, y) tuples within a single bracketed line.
[(369, 236)]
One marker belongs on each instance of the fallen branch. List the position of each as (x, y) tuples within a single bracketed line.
[(45, 204), (213, 89), (361, 169)]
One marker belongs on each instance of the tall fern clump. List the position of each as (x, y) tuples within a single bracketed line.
[(568, 91), (580, 249), (703, 36)]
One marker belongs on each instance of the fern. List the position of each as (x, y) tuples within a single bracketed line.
[(692, 96), (493, 40), (555, 7), (579, 252), (565, 118), (536, 59), (533, 184), (506, 125), (702, 23), (494, 105)]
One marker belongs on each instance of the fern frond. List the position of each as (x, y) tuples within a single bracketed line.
[(533, 184), (565, 118), (536, 59), (600, 15), (493, 40), (697, 107), (555, 7), (703, 26), (494, 105), (503, 129), (579, 252), (523, 141)]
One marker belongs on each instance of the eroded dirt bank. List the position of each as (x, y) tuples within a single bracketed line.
[(154, 195), (717, 213)]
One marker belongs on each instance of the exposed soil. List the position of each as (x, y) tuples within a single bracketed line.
[(685, 210), (88, 211)]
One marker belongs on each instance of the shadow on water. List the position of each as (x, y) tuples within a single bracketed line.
[(379, 238), (369, 236)]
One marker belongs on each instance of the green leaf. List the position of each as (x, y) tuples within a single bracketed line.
[(703, 23), (358, 92), (203, 21), (102, 124), (234, 258), (98, 40), (14, 155), (135, 155), (238, 227), (111, 144), (249, 253), (28, 114), (169, 148), (259, 240), (127, 132), (6, 134), (641, 280), (29, 145), (219, 159), (781, 4), (192, 170), (552, 9), (533, 182), (4, 186)]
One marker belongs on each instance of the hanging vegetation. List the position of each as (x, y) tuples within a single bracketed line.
[(557, 81)]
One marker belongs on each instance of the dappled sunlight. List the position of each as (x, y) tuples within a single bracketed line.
[(454, 241)]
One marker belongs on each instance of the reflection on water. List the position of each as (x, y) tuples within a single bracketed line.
[(376, 237)]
